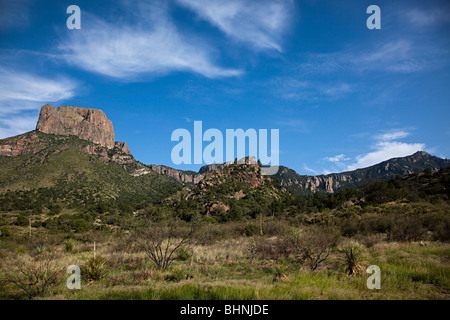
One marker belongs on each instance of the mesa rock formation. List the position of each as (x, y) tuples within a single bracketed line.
[(85, 123)]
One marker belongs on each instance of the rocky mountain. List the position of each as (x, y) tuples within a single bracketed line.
[(186, 177), (235, 184), (85, 123), (72, 158), (331, 183)]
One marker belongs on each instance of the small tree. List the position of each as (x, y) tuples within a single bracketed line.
[(161, 243), (314, 245), (34, 276)]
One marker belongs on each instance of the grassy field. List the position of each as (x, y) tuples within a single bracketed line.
[(223, 268)]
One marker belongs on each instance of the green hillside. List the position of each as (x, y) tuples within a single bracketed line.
[(63, 174)]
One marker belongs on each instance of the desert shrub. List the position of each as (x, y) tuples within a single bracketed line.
[(406, 228), (161, 243), (40, 249), (34, 276), (439, 224), (175, 275), (21, 220), (5, 232), (80, 225), (251, 230), (184, 254), (353, 253), (272, 248), (313, 245), (69, 245), (280, 272), (95, 269)]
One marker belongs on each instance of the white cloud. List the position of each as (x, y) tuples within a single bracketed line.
[(258, 23), (393, 135), (386, 150), (19, 90), (25, 93), (155, 46), (12, 126), (338, 158), (305, 167)]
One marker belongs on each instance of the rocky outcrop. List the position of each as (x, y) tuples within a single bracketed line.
[(179, 175), (85, 123), (236, 180), (116, 155), (123, 147), (22, 145), (194, 177)]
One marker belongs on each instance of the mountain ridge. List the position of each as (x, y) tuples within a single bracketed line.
[(93, 126)]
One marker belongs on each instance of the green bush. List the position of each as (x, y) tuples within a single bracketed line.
[(95, 269), (69, 245), (183, 254), (251, 230), (176, 275), (40, 249), (22, 221)]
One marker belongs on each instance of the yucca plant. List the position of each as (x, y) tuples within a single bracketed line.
[(279, 273), (40, 249), (69, 244), (95, 269), (353, 257)]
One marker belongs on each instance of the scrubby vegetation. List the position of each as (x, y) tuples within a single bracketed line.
[(279, 247)]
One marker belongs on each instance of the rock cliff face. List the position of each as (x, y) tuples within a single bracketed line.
[(178, 175), (22, 145), (85, 123)]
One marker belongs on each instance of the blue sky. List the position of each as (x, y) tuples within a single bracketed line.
[(341, 95)]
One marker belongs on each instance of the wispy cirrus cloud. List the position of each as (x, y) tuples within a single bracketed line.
[(154, 46), (337, 158), (12, 126), (387, 148), (396, 56), (24, 93), (392, 135), (297, 125), (291, 88), (258, 23)]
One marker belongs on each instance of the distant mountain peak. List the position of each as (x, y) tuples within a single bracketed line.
[(330, 183)]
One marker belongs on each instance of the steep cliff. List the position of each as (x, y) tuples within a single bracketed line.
[(85, 123)]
